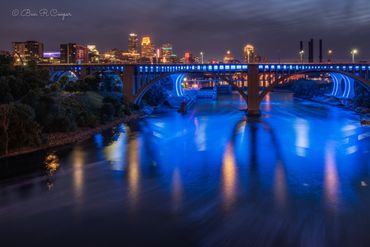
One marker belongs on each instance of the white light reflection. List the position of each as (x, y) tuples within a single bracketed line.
[(301, 128), (133, 171), (200, 133), (116, 152)]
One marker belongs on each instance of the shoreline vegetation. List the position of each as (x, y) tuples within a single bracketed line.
[(37, 113), (60, 139)]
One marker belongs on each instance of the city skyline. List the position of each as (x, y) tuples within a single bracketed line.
[(211, 27)]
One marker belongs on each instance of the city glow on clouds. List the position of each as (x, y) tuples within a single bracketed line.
[(207, 25)]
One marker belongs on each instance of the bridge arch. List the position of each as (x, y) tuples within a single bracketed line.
[(178, 79), (339, 78), (58, 75)]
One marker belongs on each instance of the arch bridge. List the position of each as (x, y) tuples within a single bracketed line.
[(138, 78)]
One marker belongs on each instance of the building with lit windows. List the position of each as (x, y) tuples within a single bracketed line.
[(93, 54), (229, 57), (167, 53), (132, 54), (188, 57), (147, 50), (68, 53), (133, 43), (249, 54), (28, 51), (73, 53)]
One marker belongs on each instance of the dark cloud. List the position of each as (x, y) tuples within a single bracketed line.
[(213, 26)]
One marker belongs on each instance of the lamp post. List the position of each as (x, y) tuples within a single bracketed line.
[(353, 53), (202, 57), (301, 53), (330, 55)]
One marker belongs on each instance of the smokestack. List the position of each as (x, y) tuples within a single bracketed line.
[(301, 46), (320, 47), (310, 51)]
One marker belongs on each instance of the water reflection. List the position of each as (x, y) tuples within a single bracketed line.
[(283, 175), (302, 143), (280, 186), (78, 161), (133, 170), (331, 180), (176, 190), (52, 165), (116, 151), (229, 177)]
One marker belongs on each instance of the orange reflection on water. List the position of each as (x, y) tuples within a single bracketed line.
[(51, 164), (268, 102), (78, 160), (331, 182), (133, 170), (229, 179)]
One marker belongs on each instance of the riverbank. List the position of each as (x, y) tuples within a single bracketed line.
[(81, 134), (332, 101)]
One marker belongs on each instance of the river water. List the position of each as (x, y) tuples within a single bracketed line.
[(298, 176)]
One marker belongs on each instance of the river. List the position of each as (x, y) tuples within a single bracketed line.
[(298, 176)]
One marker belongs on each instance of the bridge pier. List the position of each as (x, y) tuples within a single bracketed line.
[(129, 84), (253, 91)]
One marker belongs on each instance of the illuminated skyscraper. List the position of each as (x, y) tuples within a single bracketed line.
[(93, 54), (249, 53), (188, 57), (147, 50), (73, 53), (133, 43), (229, 57), (167, 53), (28, 51)]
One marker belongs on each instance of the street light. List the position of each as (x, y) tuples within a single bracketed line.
[(330, 55), (202, 57), (353, 53), (301, 55)]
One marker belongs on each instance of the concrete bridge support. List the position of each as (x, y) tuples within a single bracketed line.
[(129, 83), (253, 91)]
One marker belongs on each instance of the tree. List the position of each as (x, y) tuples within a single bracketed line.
[(4, 120), (24, 131)]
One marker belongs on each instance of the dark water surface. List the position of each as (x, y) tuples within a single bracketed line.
[(299, 176)]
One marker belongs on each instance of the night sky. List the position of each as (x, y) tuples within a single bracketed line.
[(213, 26)]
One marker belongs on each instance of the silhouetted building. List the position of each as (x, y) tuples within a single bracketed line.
[(320, 48), (310, 51), (28, 51)]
